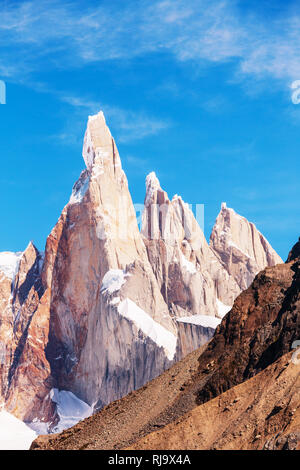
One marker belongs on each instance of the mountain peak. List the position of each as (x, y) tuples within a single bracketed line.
[(243, 250), (97, 117), (98, 144), (152, 186)]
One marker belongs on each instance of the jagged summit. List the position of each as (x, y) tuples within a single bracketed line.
[(99, 149), (152, 186), (152, 181), (99, 115), (243, 250)]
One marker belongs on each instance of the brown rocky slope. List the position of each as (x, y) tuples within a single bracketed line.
[(261, 413), (243, 393)]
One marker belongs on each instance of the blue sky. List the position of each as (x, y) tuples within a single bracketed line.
[(198, 91)]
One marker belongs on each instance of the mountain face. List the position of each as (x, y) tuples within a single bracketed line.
[(23, 336), (241, 248), (190, 275), (106, 308), (240, 391)]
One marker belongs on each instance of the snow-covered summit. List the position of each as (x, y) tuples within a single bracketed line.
[(97, 141), (96, 116), (152, 185)]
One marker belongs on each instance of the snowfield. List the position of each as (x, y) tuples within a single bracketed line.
[(14, 434), (9, 263), (160, 335), (113, 280), (207, 321), (70, 409), (222, 309)]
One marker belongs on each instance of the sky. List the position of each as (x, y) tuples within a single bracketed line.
[(198, 91)]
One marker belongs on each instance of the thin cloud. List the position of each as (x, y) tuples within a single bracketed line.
[(128, 125), (72, 34)]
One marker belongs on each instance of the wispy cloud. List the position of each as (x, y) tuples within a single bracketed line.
[(216, 105), (128, 125), (64, 34)]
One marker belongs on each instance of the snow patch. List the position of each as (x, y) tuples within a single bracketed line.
[(14, 434), (79, 190), (113, 280), (115, 301), (70, 409), (222, 309), (188, 265), (88, 150), (94, 117), (160, 335), (206, 321), (39, 427), (9, 263), (233, 245)]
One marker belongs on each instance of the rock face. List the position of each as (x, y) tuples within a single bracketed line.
[(101, 283), (190, 275), (23, 335), (241, 391), (241, 248), (107, 308), (295, 252), (89, 317)]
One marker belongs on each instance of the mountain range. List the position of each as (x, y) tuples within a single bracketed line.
[(107, 307)]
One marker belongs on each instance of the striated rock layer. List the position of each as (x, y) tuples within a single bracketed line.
[(107, 308)]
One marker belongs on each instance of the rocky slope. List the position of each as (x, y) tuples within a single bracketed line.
[(261, 413), (241, 391), (107, 308)]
